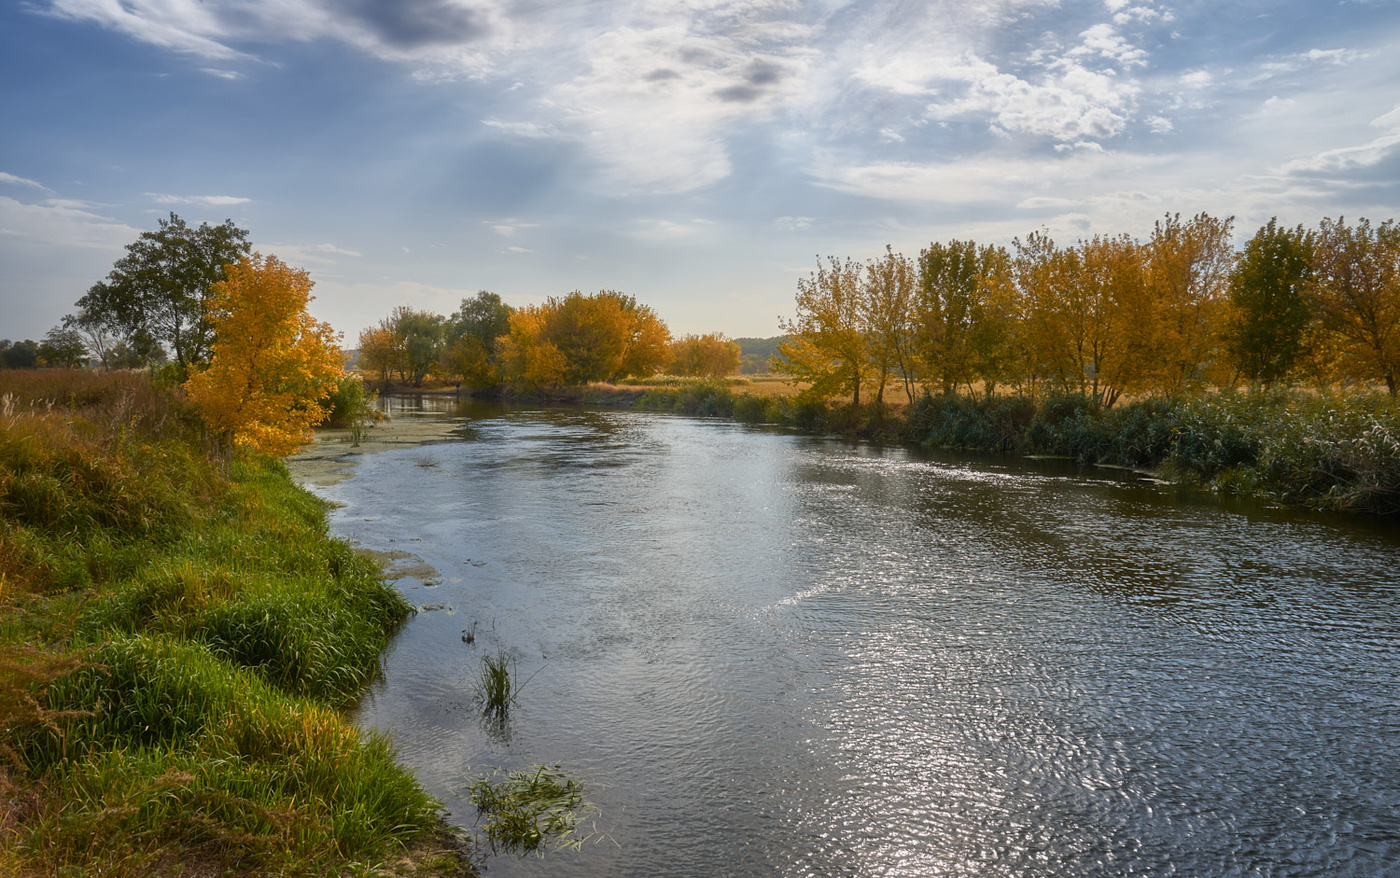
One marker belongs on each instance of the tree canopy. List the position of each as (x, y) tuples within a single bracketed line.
[(155, 296), (271, 364)]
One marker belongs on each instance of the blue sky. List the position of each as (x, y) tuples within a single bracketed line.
[(697, 154)]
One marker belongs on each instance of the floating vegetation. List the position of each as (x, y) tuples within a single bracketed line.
[(524, 810)]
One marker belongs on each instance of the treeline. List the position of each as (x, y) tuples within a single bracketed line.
[(567, 341), (1107, 316)]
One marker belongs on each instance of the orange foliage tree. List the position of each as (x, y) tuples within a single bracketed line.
[(272, 363)]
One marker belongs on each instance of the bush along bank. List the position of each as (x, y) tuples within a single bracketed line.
[(1322, 451), (175, 640)]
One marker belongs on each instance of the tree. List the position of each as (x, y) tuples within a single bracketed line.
[(421, 334), (19, 354), (1189, 266), (473, 346), (271, 364), (1356, 288), (711, 355), (63, 347), (156, 294), (888, 303), (605, 336), (1270, 308), (380, 350), (827, 344)]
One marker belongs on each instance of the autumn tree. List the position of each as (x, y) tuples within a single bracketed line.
[(887, 302), (1188, 269), (381, 350), (156, 294), (712, 355), (577, 339), (271, 363), (1271, 311), (1356, 287), (827, 343), (529, 360)]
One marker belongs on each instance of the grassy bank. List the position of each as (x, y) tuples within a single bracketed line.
[(175, 640), (1333, 451)]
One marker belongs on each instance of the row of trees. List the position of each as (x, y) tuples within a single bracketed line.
[(1106, 316), (569, 340)]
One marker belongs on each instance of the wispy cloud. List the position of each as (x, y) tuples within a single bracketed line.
[(12, 180), (203, 200)]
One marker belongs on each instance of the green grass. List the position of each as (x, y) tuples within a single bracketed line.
[(495, 686), (175, 640), (524, 811)]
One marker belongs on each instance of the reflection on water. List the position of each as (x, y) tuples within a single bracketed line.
[(775, 655)]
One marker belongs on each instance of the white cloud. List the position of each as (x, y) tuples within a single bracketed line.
[(63, 225), (203, 200), (792, 223), (311, 254), (13, 180), (508, 227), (519, 250), (1073, 104)]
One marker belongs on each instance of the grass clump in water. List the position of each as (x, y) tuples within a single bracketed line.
[(525, 810), (496, 689)]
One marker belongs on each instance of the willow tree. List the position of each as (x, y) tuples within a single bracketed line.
[(271, 364), (827, 345)]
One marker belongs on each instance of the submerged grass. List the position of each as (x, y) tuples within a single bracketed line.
[(523, 811), (174, 642)]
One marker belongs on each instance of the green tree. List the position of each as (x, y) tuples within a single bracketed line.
[(422, 335), (63, 346), (19, 354), (1356, 287), (155, 295), (473, 340), (1270, 307)]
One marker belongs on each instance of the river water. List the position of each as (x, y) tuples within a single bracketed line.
[(766, 654)]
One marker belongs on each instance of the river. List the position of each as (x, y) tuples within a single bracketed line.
[(767, 654)]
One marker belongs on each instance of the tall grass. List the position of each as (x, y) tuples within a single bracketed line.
[(174, 640)]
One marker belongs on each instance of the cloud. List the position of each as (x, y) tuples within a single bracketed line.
[(62, 224), (12, 180), (202, 200), (792, 223), (311, 254), (1349, 159), (508, 227)]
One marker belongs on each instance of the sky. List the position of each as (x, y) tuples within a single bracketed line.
[(699, 155)]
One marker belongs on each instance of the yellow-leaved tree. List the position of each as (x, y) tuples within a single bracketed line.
[(272, 364)]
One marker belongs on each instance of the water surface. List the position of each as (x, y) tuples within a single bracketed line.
[(766, 654)]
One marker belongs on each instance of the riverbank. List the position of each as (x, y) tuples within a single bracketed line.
[(1333, 451), (175, 642)]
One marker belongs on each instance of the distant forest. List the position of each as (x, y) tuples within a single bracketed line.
[(756, 352)]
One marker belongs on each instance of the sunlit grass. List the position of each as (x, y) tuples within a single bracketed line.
[(174, 639)]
